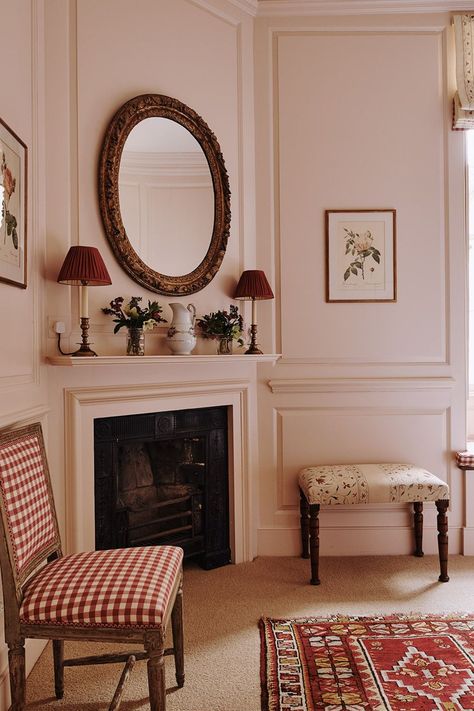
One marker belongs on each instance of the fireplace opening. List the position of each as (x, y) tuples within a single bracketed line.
[(162, 478)]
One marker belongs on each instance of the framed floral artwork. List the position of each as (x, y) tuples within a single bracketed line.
[(361, 255), (13, 196)]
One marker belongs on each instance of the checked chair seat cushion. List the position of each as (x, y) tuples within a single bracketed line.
[(125, 587), (370, 483)]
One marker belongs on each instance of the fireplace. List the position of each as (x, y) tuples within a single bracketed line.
[(162, 478)]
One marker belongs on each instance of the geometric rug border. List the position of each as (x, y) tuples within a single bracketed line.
[(269, 673)]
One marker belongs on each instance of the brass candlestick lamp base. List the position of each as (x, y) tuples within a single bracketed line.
[(253, 349), (84, 350)]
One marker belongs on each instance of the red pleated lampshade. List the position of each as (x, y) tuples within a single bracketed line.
[(84, 265), (253, 284)]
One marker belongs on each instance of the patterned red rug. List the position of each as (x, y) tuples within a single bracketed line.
[(395, 662)]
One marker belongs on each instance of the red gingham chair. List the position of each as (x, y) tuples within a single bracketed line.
[(127, 594)]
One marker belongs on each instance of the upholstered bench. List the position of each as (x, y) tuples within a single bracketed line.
[(371, 484)]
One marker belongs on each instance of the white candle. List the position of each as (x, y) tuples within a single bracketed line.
[(254, 311), (84, 302)]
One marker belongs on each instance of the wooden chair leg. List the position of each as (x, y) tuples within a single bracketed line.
[(314, 542), (442, 521), (58, 658), (418, 517), (178, 643), (304, 512), (16, 663), (154, 647)]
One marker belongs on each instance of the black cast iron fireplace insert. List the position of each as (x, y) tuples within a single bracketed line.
[(162, 478)]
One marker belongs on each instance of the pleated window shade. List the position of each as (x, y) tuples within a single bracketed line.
[(463, 112)]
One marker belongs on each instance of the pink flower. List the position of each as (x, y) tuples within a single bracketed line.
[(363, 242), (9, 183)]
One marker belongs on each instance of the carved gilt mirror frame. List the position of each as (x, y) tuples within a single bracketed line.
[(126, 118)]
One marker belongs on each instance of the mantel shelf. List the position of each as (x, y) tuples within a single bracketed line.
[(155, 359)]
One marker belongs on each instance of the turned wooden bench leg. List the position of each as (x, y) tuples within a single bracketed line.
[(304, 511), (314, 542), (418, 516), (442, 521)]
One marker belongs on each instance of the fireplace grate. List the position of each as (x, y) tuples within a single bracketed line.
[(163, 479)]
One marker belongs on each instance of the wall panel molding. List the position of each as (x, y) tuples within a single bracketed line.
[(304, 8), (346, 385), (274, 34), (279, 413), (18, 418)]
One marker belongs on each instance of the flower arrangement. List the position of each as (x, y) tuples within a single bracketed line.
[(226, 325), (132, 315)]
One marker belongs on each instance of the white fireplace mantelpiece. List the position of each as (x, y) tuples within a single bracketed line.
[(162, 359), (84, 404)]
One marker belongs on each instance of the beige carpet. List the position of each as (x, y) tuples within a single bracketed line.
[(222, 608)]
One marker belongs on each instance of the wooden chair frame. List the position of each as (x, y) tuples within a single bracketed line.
[(17, 631)]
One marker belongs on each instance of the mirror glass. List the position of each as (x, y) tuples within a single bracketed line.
[(166, 196)]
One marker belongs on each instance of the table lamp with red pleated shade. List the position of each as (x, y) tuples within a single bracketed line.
[(253, 285), (83, 267)]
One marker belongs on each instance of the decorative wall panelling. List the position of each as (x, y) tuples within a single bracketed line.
[(359, 381), (23, 394), (362, 173), (221, 91)]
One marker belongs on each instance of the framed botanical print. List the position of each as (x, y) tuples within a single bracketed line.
[(361, 255), (13, 197)]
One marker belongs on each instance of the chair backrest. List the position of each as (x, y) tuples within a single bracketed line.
[(28, 517)]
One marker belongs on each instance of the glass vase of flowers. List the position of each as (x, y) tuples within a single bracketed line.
[(136, 319), (223, 326)]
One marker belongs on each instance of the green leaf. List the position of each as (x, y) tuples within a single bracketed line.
[(354, 270), (377, 258), (347, 274)]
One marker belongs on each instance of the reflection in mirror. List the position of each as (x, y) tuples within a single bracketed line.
[(166, 196)]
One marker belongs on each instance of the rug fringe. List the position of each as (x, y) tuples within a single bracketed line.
[(268, 672)]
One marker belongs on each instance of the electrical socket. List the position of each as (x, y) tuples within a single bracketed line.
[(55, 323)]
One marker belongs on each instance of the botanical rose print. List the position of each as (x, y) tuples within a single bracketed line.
[(361, 247), (9, 185), (363, 242)]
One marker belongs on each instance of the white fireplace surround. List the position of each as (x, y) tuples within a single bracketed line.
[(83, 405)]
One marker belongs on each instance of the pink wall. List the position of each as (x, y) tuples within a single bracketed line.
[(349, 112)]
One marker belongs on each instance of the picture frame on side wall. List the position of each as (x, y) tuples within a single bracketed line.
[(361, 255), (13, 205)]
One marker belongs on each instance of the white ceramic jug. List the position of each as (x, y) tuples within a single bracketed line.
[(181, 339)]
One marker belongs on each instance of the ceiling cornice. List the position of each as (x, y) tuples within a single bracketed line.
[(249, 6), (298, 8)]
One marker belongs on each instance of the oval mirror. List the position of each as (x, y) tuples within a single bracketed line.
[(164, 195)]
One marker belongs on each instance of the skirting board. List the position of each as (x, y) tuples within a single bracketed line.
[(468, 541), (356, 541), (34, 647)]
